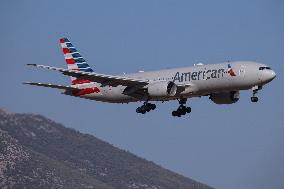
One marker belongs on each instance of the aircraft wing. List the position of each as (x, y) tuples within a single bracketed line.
[(104, 79), (52, 86)]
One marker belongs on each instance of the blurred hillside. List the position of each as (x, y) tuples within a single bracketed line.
[(36, 152)]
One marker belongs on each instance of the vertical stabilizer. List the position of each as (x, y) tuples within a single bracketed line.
[(74, 60)]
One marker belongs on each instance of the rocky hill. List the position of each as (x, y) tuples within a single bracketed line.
[(36, 152)]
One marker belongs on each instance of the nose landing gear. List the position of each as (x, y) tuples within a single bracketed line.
[(254, 99), (146, 107), (182, 109), (255, 90)]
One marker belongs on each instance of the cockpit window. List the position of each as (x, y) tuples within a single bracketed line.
[(264, 68)]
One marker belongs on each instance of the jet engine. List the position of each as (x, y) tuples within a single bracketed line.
[(163, 88), (225, 97)]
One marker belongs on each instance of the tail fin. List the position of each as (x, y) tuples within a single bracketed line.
[(74, 60)]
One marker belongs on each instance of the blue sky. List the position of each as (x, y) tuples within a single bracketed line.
[(235, 146)]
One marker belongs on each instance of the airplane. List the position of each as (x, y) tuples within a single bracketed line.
[(221, 82)]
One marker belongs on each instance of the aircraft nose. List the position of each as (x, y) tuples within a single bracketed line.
[(273, 74), (270, 75)]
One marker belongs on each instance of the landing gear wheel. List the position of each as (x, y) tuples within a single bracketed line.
[(138, 110), (255, 90), (254, 99), (188, 110), (174, 113), (153, 106), (146, 107), (182, 109)]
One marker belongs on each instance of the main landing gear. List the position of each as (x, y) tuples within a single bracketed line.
[(255, 90), (182, 109), (146, 107)]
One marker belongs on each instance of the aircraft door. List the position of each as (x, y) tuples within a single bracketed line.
[(241, 81), (242, 71)]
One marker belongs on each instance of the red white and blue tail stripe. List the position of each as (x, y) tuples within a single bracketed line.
[(74, 60)]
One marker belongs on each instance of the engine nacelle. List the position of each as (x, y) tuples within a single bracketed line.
[(225, 97), (163, 88)]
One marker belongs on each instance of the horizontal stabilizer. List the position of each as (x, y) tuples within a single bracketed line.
[(52, 86)]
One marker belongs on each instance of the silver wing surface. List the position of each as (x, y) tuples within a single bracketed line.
[(103, 79)]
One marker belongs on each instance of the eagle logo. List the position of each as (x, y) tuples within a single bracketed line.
[(231, 71)]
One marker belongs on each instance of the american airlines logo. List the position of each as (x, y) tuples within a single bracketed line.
[(199, 75), (203, 74)]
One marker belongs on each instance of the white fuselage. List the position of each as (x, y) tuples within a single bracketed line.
[(200, 79)]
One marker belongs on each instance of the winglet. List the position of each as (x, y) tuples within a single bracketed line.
[(27, 83), (31, 64)]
